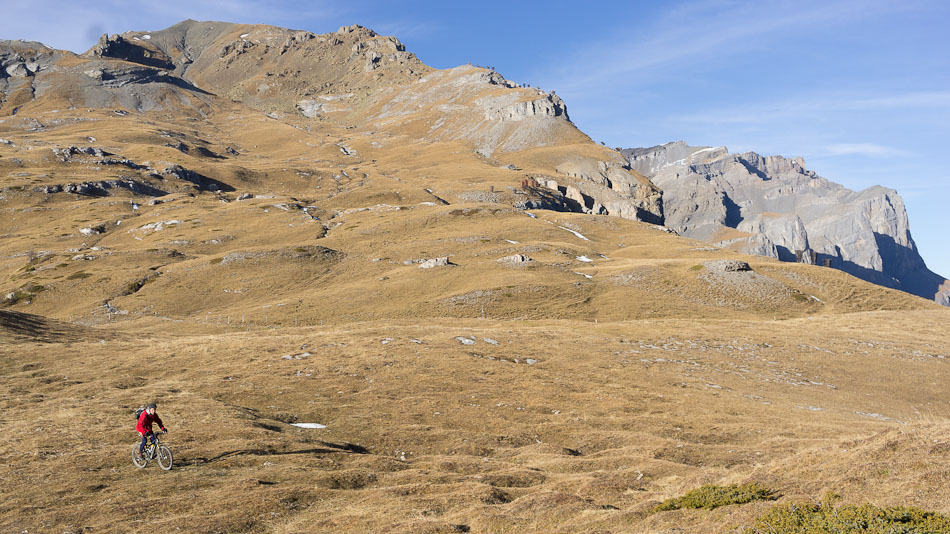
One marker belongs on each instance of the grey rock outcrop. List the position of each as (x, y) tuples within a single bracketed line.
[(117, 46), (515, 259), (435, 262), (774, 206)]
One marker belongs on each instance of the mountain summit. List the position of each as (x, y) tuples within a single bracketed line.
[(774, 206)]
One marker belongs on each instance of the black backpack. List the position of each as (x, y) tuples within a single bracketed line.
[(138, 412)]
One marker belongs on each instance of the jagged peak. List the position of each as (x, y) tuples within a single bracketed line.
[(356, 28)]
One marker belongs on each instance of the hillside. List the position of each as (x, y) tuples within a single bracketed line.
[(256, 227)]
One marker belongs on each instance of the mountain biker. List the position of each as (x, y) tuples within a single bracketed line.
[(144, 426)]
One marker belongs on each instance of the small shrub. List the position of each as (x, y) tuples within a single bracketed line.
[(215, 261), (16, 297), (809, 518), (711, 496), (133, 287), (696, 268), (800, 297), (78, 276)]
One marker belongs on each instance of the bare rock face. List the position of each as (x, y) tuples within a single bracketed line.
[(118, 47), (774, 206)]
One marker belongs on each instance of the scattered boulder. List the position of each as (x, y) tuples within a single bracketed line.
[(515, 259), (727, 266), (435, 262), (310, 108), (66, 153), (92, 230)]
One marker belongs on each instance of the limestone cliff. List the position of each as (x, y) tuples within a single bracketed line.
[(774, 206)]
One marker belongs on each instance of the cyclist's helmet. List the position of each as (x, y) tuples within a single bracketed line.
[(152, 405)]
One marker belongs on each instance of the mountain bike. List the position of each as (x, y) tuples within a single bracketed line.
[(153, 450)]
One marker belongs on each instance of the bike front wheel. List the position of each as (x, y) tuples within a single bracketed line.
[(139, 462), (164, 457)]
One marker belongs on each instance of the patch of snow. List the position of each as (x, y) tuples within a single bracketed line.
[(146, 37), (512, 242), (578, 234), (386, 341), (672, 163), (584, 259), (243, 35), (533, 216), (490, 341), (588, 276), (465, 340), (308, 425), (708, 149)]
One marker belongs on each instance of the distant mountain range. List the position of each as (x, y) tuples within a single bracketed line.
[(774, 206), (371, 87)]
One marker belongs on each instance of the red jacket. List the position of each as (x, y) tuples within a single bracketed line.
[(145, 422)]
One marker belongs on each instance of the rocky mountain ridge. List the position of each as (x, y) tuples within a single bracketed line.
[(352, 77), (374, 89), (773, 206)]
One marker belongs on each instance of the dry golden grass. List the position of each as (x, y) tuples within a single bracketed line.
[(593, 391)]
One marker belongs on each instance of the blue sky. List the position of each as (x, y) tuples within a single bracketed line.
[(860, 89)]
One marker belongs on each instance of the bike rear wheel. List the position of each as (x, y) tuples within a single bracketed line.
[(139, 462), (164, 457)]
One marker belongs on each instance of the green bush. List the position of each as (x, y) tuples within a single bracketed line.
[(16, 297), (711, 496), (824, 518)]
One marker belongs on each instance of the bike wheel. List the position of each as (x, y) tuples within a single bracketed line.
[(164, 457), (139, 462)]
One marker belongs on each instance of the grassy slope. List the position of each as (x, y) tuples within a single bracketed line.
[(647, 380)]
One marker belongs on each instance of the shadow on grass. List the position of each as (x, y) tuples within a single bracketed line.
[(328, 448), (19, 326)]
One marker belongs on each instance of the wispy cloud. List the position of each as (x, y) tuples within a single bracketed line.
[(693, 32), (865, 149), (404, 29), (75, 25), (819, 104)]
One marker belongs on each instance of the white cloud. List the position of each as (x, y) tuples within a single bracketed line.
[(76, 25), (821, 104), (693, 34), (865, 149)]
